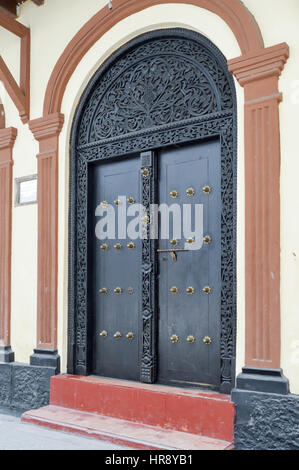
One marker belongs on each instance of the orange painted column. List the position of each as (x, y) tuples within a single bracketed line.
[(7, 139), (259, 73), (46, 130)]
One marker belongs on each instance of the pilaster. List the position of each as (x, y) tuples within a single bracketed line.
[(7, 139), (259, 73), (46, 130)]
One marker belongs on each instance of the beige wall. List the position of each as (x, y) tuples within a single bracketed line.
[(52, 27), (24, 241)]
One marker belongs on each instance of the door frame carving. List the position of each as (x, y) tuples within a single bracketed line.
[(222, 124)]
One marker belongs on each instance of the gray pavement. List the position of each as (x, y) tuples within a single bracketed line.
[(15, 435)]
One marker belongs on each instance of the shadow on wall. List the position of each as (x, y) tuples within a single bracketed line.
[(2, 116)]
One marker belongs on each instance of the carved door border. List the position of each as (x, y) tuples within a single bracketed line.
[(221, 122)]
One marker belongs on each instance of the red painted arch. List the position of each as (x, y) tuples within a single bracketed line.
[(233, 12)]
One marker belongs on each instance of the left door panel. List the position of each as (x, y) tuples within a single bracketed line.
[(114, 315)]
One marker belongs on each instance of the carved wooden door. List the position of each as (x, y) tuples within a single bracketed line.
[(126, 275), (167, 88)]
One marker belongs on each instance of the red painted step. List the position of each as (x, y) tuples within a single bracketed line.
[(120, 432), (186, 410)]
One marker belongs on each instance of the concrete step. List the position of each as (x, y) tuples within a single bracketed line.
[(120, 431), (190, 411)]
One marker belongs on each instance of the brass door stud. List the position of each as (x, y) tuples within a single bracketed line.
[(190, 191), (206, 189), (207, 290), (190, 290), (174, 290), (118, 290), (207, 340), (190, 339), (174, 338)]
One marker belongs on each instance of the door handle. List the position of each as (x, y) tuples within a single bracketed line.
[(173, 250)]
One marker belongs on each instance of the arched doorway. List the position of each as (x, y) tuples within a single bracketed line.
[(159, 117)]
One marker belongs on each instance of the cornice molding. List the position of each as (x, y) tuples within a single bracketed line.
[(46, 127), (7, 137), (259, 65)]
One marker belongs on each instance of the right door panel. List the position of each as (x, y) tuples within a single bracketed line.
[(190, 281)]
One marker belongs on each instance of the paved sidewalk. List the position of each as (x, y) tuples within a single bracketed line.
[(15, 435)]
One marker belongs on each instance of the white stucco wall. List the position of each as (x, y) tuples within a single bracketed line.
[(52, 27)]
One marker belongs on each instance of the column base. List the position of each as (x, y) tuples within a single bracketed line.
[(263, 380), (265, 421), (23, 386), (46, 358), (266, 413), (6, 354)]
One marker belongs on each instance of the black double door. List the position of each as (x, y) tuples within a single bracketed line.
[(188, 267)]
